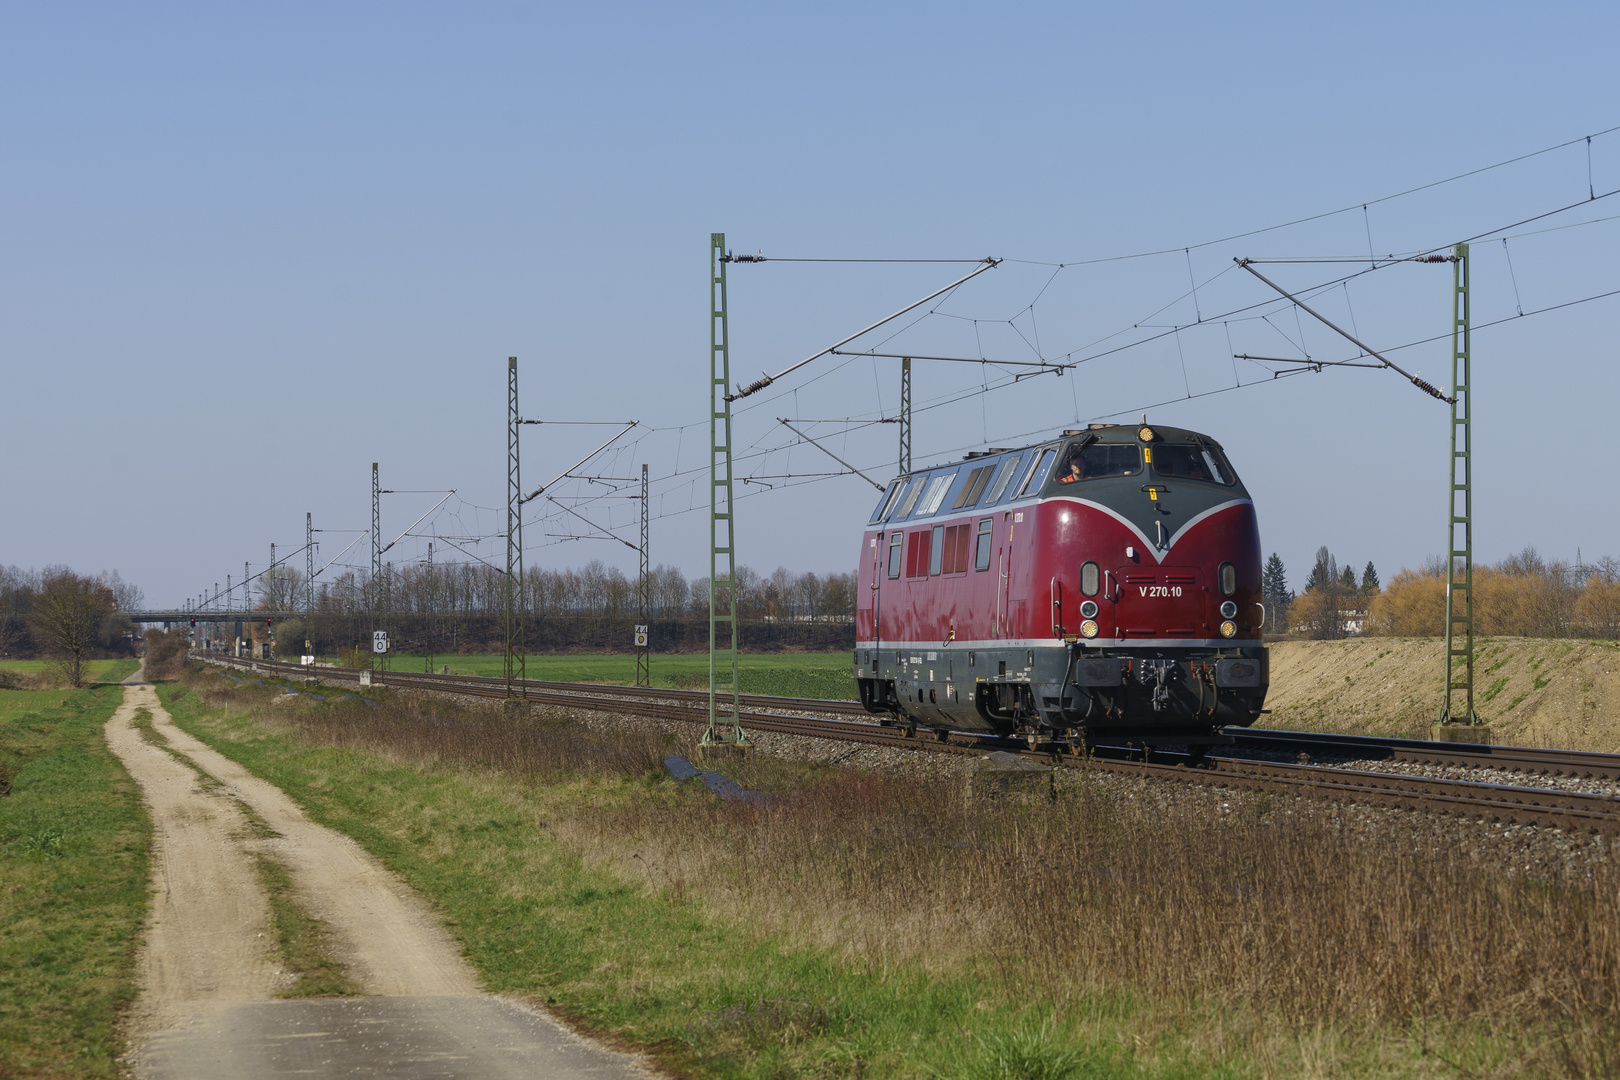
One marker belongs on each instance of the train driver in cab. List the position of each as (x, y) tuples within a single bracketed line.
[(1077, 467)]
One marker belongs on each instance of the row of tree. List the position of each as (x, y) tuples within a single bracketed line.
[(69, 618), (465, 589), (1523, 595)]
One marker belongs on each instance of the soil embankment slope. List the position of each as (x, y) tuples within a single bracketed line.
[(1531, 691)]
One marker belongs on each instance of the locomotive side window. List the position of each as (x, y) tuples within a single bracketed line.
[(1037, 471), (936, 494), (894, 554), (981, 557), (1203, 463), (974, 487), (937, 550), (1008, 468), (917, 483), (953, 556), (917, 553), (885, 502)]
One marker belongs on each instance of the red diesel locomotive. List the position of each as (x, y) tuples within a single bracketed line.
[(1105, 583)]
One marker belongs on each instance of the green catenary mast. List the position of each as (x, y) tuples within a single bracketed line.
[(1458, 705), (722, 526)]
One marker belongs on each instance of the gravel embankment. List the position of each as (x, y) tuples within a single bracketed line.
[(1510, 849)]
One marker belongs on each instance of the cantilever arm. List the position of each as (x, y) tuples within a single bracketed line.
[(989, 264), (830, 454), (1426, 387)]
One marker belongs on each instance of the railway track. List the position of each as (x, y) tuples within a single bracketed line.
[(1577, 764), (1505, 803)]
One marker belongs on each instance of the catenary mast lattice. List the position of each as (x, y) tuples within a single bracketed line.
[(722, 525), (516, 664), (375, 590), (1460, 519), (644, 585), (309, 583), (905, 414)]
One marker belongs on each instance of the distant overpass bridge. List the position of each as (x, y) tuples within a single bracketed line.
[(177, 616)]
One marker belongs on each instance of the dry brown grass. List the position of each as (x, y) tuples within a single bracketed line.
[(1265, 909)]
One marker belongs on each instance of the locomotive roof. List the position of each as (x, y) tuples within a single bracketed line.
[(1109, 433), (1003, 475)]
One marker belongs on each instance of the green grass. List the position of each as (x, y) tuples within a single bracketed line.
[(817, 675), (73, 883), (656, 970), (304, 941), (94, 670)]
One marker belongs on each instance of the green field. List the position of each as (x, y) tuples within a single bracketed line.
[(94, 670), (73, 881), (813, 675)]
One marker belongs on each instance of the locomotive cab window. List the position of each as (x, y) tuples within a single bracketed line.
[(1094, 461), (894, 554), (1204, 463)]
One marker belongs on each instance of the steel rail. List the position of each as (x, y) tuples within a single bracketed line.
[(1546, 807), (1579, 764)]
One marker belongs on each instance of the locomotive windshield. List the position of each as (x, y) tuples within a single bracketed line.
[(890, 495), (1199, 462), (1092, 461)]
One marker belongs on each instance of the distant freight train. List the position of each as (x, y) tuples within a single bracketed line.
[(1103, 584)]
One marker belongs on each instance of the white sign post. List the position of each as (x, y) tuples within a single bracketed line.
[(379, 641), (641, 635)]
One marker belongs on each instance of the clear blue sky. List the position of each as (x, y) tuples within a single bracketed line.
[(247, 250)]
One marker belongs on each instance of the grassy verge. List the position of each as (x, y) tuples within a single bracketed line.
[(884, 926), (73, 883)]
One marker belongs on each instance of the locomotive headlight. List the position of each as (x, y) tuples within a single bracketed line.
[(1088, 610), (1229, 610), (1145, 433), (1089, 629), (1228, 628)]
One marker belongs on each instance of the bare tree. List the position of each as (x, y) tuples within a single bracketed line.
[(126, 595), (66, 619), (281, 589), (16, 593)]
